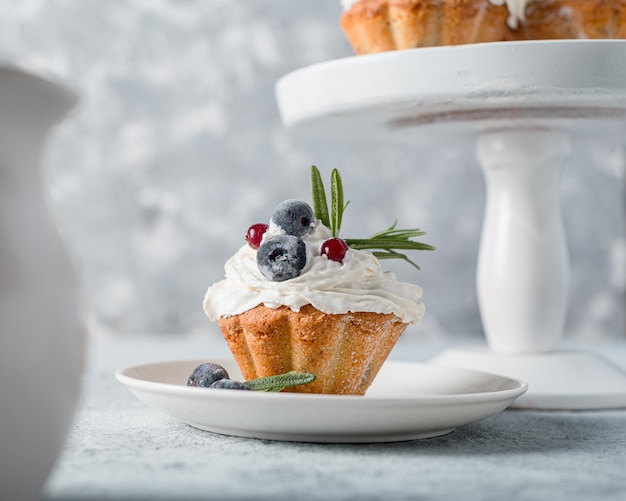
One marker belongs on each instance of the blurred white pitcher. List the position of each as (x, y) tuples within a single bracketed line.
[(41, 327)]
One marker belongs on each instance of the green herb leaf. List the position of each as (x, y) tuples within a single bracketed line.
[(281, 381), (320, 205), (394, 255), (392, 232), (387, 244), (336, 204)]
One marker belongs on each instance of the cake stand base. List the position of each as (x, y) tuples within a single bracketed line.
[(562, 380)]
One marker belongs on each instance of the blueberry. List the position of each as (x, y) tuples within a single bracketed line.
[(281, 257), (295, 217), (206, 374), (230, 384)]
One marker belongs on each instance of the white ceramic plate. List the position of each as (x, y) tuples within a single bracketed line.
[(407, 401)]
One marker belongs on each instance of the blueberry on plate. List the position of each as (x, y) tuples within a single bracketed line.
[(295, 217), (281, 257), (206, 374), (230, 384)]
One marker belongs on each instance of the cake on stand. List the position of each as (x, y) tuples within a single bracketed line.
[(521, 105)]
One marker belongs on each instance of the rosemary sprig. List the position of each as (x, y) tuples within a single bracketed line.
[(337, 205), (386, 243), (320, 205), (281, 381)]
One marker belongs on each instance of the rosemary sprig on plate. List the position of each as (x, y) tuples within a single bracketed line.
[(385, 244), (281, 381)]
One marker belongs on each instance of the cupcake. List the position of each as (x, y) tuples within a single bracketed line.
[(382, 25), (296, 297)]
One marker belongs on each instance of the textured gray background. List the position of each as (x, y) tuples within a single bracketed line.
[(177, 147)]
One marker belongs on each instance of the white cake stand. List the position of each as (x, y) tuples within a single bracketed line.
[(521, 104)]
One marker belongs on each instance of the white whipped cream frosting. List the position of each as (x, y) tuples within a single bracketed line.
[(357, 284), (517, 9)]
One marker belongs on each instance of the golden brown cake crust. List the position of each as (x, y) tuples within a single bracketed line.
[(383, 25), (571, 19), (344, 351)]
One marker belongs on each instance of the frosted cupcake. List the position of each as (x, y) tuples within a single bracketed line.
[(298, 298), (383, 25)]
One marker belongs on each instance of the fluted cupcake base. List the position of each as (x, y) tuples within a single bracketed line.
[(344, 351)]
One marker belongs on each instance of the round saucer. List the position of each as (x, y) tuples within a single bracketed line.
[(407, 401)]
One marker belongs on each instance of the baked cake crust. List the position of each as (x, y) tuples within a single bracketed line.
[(574, 19), (344, 351), (383, 25)]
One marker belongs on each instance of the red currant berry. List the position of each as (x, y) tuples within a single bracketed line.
[(334, 249), (255, 235)]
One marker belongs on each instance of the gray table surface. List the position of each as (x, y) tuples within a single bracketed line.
[(119, 448)]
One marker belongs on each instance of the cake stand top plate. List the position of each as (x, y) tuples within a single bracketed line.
[(579, 85)]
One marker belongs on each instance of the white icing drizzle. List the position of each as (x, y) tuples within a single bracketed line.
[(346, 4), (517, 11)]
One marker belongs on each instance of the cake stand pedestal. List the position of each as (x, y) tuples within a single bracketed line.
[(521, 105)]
